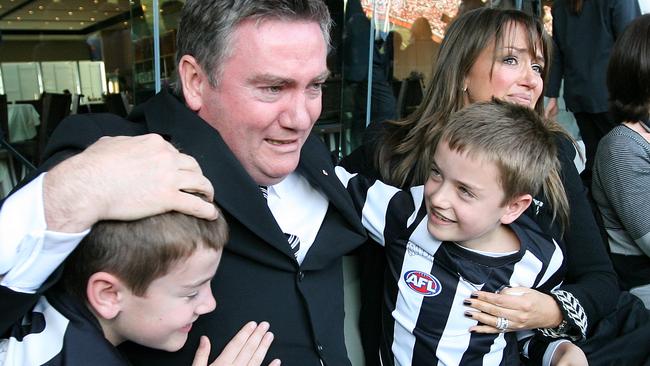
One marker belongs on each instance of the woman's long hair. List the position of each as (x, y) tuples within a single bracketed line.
[(402, 158)]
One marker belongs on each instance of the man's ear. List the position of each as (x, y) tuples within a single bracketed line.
[(515, 207), (105, 294), (192, 79)]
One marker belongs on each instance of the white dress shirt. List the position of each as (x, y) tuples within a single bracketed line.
[(299, 209), (29, 252)]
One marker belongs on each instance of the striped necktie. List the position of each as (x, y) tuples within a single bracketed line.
[(294, 240)]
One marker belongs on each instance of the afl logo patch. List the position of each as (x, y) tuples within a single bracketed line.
[(422, 283)]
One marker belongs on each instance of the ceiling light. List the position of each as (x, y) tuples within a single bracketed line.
[(81, 8), (69, 13), (40, 7), (92, 19), (18, 18), (56, 18)]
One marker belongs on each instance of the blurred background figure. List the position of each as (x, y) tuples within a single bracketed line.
[(621, 183), (584, 32)]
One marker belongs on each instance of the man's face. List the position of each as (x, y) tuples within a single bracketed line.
[(269, 95)]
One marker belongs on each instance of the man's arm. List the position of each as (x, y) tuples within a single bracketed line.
[(121, 178)]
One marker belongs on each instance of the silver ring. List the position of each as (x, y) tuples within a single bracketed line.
[(502, 324)]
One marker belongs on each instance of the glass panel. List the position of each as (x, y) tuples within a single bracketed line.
[(60, 76), (21, 80), (142, 35), (405, 38), (93, 80)]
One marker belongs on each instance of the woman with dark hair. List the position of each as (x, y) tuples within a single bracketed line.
[(621, 180), (504, 54)]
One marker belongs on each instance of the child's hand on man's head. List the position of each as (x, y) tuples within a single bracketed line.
[(247, 348)]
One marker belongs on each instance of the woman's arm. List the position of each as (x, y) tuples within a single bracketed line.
[(590, 276)]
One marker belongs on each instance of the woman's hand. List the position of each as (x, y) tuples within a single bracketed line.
[(522, 307), (568, 354), (247, 348)]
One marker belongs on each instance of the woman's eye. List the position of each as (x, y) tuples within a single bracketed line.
[(538, 68), (510, 60)]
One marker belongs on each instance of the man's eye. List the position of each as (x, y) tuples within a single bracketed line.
[(274, 89)]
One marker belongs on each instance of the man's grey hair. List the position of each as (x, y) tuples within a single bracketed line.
[(206, 27)]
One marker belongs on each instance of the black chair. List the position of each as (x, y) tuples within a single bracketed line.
[(410, 94), (5, 155), (54, 108), (7, 152), (115, 104)]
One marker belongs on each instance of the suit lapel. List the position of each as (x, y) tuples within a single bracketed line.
[(316, 167), (238, 194)]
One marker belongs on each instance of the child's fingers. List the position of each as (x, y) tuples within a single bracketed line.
[(202, 353), (256, 346), (235, 346), (257, 357)]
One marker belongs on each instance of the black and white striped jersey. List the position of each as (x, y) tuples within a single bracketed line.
[(58, 331), (427, 280)]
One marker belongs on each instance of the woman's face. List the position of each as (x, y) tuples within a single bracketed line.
[(513, 75)]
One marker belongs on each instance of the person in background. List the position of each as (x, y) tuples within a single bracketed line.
[(248, 94), (584, 32), (621, 183)]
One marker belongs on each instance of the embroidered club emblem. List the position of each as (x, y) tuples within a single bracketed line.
[(422, 283)]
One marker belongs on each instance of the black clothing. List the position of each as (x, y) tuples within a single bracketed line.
[(258, 277)]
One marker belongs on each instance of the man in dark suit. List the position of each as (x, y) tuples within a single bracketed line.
[(249, 92)]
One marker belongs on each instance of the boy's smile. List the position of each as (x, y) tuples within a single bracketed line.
[(464, 198)]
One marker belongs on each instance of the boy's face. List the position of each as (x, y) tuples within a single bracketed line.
[(163, 317), (463, 198)]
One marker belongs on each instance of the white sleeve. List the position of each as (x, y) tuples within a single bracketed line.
[(550, 351), (29, 253)]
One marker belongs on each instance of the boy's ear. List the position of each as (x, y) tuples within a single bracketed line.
[(515, 207), (105, 293), (193, 80)]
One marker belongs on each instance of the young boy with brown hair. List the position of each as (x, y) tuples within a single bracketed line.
[(463, 232), (144, 281)]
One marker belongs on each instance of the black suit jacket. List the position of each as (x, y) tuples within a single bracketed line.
[(583, 44), (258, 278)]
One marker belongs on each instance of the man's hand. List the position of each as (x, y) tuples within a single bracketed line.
[(124, 178), (247, 348)]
